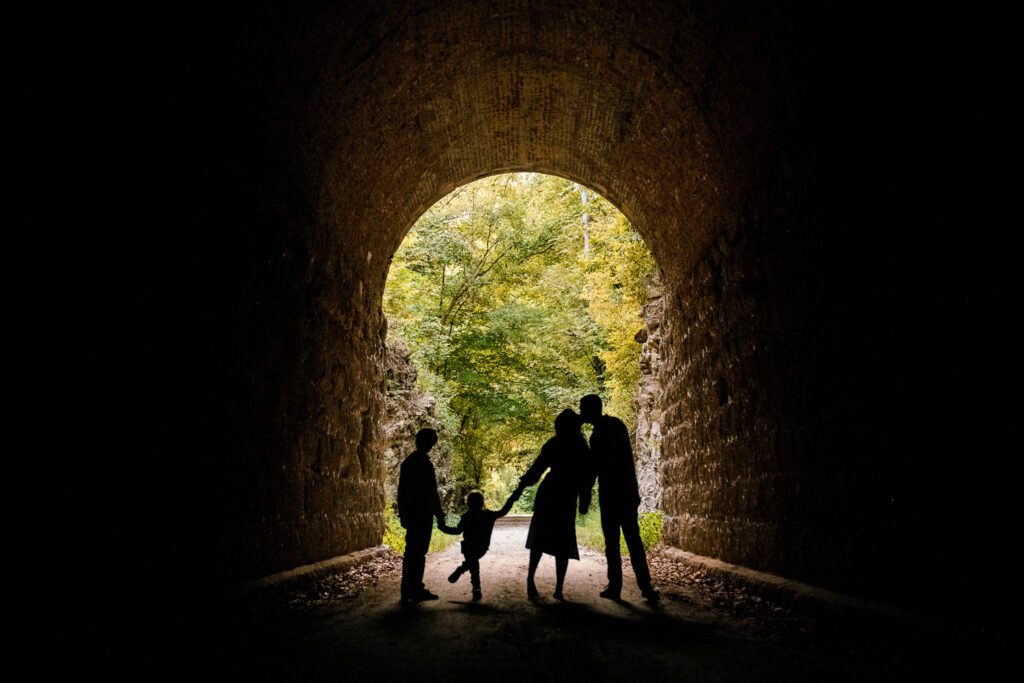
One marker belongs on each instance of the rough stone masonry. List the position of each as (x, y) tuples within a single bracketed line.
[(681, 114), (825, 350)]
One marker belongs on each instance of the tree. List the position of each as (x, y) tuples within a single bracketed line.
[(516, 295)]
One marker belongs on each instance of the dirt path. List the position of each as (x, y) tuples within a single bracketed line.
[(689, 636)]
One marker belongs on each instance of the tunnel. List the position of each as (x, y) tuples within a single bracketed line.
[(618, 100), (814, 184)]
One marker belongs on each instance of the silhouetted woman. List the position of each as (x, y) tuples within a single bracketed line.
[(553, 527)]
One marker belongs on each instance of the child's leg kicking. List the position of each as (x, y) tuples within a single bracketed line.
[(459, 571)]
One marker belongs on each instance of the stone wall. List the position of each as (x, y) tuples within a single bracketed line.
[(219, 200), (649, 420), (356, 139), (315, 369), (734, 484), (407, 409), (722, 149)]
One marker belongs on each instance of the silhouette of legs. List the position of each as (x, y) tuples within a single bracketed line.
[(561, 565), (474, 577), (459, 571), (531, 587), (471, 565), (417, 542), (611, 521), (637, 554), (610, 529)]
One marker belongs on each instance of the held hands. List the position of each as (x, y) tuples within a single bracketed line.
[(442, 526), (585, 497)]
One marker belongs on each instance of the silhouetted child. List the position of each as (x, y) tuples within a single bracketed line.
[(476, 526)]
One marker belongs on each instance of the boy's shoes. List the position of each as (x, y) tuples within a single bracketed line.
[(424, 595), (477, 595), (454, 576), (558, 595), (610, 594), (651, 595), (531, 592)]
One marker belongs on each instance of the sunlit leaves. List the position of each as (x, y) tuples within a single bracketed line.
[(507, 320)]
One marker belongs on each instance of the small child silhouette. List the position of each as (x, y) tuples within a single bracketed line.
[(476, 525)]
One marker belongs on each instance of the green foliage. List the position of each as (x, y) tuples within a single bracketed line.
[(510, 319), (394, 534), (500, 484), (588, 530), (650, 528)]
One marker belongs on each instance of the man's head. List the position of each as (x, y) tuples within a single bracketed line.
[(475, 500), (590, 408), (425, 439)]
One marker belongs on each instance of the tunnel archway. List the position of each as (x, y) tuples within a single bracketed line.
[(208, 204), (641, 107), (690, 119), (509, 299)]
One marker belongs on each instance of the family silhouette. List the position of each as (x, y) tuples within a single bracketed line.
[(572, 466)]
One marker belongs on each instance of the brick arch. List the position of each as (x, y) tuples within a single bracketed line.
[(619, 99), (819, 182), (641, 106), (682, 114)]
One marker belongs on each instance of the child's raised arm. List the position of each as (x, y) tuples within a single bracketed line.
[(507, 507)]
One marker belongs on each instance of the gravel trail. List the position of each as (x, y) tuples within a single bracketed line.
[(352, 628)]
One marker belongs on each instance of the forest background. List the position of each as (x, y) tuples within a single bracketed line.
[(516, 295)]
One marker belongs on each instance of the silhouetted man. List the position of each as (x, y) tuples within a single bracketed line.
[(418, 505), (611, 457)]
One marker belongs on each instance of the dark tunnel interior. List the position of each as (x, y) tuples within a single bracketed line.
[(212, 198)]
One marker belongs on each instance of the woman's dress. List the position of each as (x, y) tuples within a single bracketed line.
[(553, 527)]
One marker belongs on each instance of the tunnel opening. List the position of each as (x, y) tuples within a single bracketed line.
[(509, 299), (838, 287), (836, 284), (696, 168), (694, 123)]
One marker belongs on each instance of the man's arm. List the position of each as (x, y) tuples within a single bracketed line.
[(586, 494), (451, 530), (587, 480), (435, 497), (627, 443), (403, 495)]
